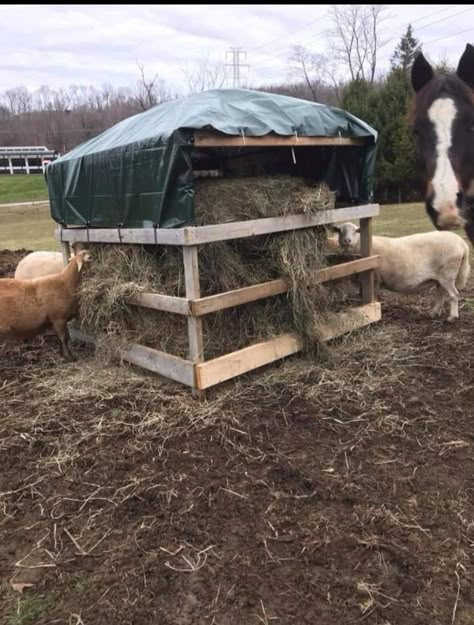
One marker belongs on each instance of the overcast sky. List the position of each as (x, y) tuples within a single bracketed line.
[(59, 45)]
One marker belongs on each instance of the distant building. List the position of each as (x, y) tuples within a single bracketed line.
[(25, 159)]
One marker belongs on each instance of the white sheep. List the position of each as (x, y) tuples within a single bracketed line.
[(39, 264), (415, 262), (27, 307)]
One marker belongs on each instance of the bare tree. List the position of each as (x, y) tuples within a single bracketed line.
[(203, 75), (308, 67), (317, 72), (150, 92), (356, 37)]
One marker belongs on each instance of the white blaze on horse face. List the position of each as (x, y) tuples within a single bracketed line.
[(445, 185)]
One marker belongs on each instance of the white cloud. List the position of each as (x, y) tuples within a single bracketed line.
[(63, 44)]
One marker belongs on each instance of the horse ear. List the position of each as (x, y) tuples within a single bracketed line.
[(421, 72), (465, 70)]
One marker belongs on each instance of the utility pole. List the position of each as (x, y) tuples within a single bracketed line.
[(236, 65)]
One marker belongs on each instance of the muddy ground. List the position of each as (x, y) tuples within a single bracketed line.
[(319, 493)]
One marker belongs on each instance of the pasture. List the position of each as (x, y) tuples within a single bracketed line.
[(307, 492)]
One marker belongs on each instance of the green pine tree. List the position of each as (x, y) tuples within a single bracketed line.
[(405, 51)]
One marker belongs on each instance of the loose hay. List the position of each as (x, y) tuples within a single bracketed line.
[(120, 272)]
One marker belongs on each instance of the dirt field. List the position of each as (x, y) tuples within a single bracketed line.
[(319, 494)]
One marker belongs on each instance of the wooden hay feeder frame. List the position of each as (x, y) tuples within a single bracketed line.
[(195, 371)]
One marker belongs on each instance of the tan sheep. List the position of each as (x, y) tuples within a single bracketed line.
[(27, 307)]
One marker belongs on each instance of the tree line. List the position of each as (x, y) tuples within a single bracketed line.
[(347, 78)]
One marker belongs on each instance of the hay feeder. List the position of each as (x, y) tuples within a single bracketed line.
[(195, 371)]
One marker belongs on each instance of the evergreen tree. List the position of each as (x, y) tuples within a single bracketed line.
[(405, 51)]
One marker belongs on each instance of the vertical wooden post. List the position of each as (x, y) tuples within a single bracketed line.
[(367, 277), (193, 291), (66, 250)]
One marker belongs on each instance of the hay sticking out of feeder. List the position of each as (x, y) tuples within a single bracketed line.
[(119, 272)]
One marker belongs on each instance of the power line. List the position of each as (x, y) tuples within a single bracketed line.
[(281, 58), (460, 32), (263, 45)]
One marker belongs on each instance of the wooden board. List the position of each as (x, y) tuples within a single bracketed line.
[(167, 365), (196, 235), (226, 367), (367, 279), (166, 303), (143, 236), (215, 139), (213, 303), (351, 319), (240, 229), (249, 358)]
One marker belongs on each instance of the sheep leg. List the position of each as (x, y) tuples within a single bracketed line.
[(61, 331), (438, 305), (453, 295)]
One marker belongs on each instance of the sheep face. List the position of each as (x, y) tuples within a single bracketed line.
[(84, 256), (348, 234)]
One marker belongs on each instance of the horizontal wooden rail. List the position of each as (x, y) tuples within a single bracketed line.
[(166, 303), (245, 295), (254, 227), (168, 365), (226, 367), (196, 235), (215, 139), (249, 358), (213, 303)]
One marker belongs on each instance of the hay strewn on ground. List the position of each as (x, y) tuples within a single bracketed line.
[(122, 271)]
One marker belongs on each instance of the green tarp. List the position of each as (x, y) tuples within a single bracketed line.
[(139, 173)]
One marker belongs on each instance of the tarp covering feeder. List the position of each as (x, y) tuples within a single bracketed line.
[(140, 172)]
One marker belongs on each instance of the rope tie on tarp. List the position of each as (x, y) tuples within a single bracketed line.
[(120, 225), (155, 226)]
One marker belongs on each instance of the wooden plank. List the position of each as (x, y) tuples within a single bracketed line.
[(143, 236), (249, 358), (196, 235), (66, 252), (213, 303), (215, 139), (166, 303), (169, 366), (226, 367), (349, 320), (193, 291), (347, 269), (367, 279)]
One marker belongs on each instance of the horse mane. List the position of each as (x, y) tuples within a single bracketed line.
[(448, 85)]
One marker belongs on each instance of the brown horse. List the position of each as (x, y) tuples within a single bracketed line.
[(443, 123)]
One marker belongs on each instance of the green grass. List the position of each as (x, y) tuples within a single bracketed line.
[(398, 220), (28, 610), (27, 227), (31, 227), (22, 188)]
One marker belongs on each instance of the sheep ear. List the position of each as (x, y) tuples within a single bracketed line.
[(336, 228), (358, 229), (79, 263)]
